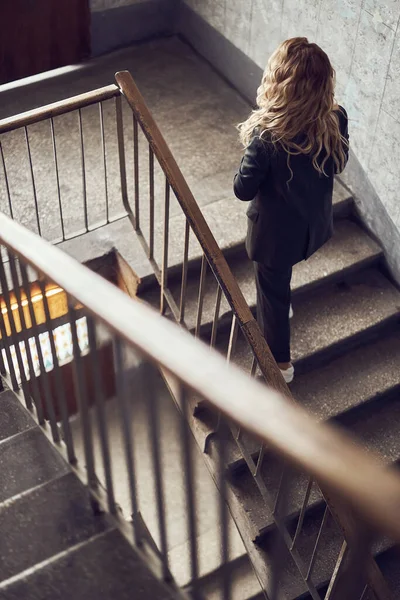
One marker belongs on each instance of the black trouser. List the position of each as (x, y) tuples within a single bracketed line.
[(273, 305)]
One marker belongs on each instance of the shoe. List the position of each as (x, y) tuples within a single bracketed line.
[(291, 312), (288, 374)]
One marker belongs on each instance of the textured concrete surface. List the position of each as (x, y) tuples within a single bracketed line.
[(370, 372), (377, 427), (207, 506), (44, 522), (374, 214), (22, 463), (103, 568), (349, 250), (368, 301), (119, 23), (14, 419), (366, 62)]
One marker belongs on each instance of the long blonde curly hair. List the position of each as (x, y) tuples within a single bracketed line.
[(296, 105)]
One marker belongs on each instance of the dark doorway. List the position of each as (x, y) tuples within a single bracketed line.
[(39, 35)]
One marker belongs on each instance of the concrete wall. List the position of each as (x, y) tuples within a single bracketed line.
[(99, 5), (362, 37), (118, 23)]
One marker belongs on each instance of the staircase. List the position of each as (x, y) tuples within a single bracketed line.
[(346, 342), (53, 546), (346, 351)]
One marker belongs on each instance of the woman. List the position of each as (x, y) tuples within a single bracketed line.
[(296, 140)]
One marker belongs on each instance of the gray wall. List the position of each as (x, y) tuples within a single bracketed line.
[(362, 37), (118, 23), (99, 5)]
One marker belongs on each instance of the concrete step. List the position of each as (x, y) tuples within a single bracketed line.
[(376, 426), (100, 568), (244, 585), (45, 521), (342, 316), (361, 375), (348, 251), (13, 417), (333, 320), (368, 373), (27, 460)]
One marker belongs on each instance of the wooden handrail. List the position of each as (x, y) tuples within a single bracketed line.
[(329, 456), (202, 231), (58, 108)]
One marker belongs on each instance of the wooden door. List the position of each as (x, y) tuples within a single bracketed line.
[(39, 35)]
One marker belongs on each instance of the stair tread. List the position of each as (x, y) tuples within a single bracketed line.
[(13, 417), (45, 521), (340, 311), (349, 248), (331, 320), (28, 460), (376, 426), (244, 584), (328, 550), (367, 372), (102, 568)]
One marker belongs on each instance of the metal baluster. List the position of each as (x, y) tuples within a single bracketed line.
[(24, 331), (223, 516), (81, 394), (184, 273), (232, 338), (101, 415), (7, 350), (3, 162), (2, 365), (364, 594), (337, 571), (33, 180), (188, 456), (216, 316), (200, 301), (136, 170), (126, 421), (314, 554), (84, 190), (281, 491), (302, 513), (53, 137), (103, 145), (152, 401), (151, 202), (253, 367), (279, 548), (164, 270), (122, 160), (259, 461), (43, 373), (59, 384), (15, 337)]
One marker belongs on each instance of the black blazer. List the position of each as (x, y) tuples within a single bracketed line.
[(287, 222)]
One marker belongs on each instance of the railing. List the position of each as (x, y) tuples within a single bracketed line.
[(157, 187), (143, 342), (47, 160), (215, 272)]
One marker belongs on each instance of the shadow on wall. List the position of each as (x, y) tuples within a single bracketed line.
[(119, 23)]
